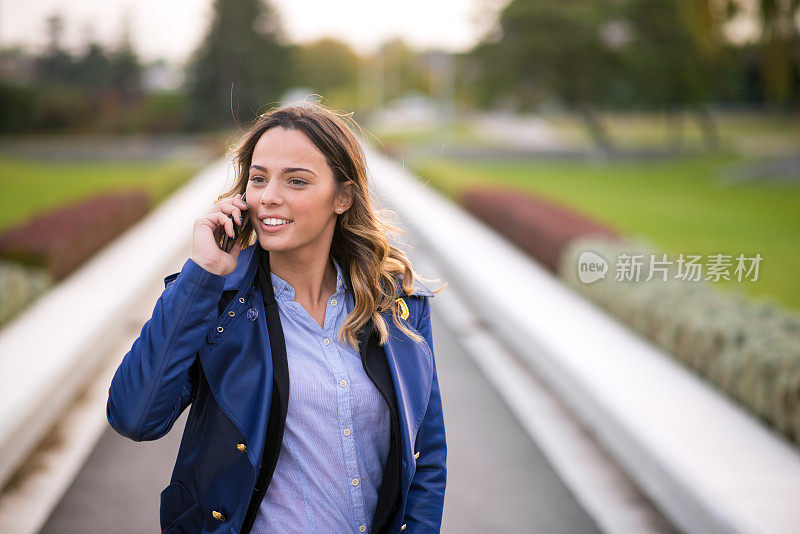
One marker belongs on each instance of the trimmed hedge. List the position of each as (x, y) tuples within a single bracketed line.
[(62, 239), (540, 227), (749, 350), (18, 287)]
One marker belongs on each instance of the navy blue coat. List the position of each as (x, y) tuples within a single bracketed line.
[(215, 342)]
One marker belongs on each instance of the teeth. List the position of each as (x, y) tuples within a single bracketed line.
[(275, 222)]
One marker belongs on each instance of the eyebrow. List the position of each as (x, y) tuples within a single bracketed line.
[(285, 169)]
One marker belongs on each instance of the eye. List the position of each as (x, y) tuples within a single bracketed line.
[(256, 178), (296, 181)]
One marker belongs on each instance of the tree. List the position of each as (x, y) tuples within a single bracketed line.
[(240, 66), (401, 70), (55, 64), (125, 71), (326, 64), (780, 47), (674, 59), (330, 68), (543, 48)]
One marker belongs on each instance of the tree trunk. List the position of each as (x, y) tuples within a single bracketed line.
[(709, 129), (596, 129), (674, 120)]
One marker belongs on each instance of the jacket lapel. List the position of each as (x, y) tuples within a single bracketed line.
[(411, 365)]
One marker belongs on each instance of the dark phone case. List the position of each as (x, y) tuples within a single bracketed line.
[(227, 241)]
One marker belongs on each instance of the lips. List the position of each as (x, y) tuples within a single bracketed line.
[(274, 227)]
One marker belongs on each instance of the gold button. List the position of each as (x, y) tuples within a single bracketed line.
[(333, 303), (326, 341), (343, 383), (241, 300), (242, 447), (403, 527), (220, 329), (416, 456), (218, 516), (346, 431), (355, 482), (362, 528), (231, 313)]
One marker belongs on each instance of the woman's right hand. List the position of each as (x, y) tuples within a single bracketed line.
[(208, 231)]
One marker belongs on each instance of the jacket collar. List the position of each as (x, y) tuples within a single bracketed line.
[(245, 272)]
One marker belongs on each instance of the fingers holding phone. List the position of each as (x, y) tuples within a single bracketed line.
[(239, 220), (218, 229)]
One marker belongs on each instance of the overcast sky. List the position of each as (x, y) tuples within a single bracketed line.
[(172, 28)]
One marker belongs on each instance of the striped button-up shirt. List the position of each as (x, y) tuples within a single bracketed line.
[(336, 438)]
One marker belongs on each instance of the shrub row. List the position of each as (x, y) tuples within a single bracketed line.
[(540, 227), (18, 287), (749, 350), (62, 239)]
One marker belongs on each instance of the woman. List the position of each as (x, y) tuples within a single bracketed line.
[(305, 353)]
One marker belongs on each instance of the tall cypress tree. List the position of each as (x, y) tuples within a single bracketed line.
[(240, 67)]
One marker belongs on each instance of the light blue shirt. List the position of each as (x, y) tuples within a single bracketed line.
[(336, 438)]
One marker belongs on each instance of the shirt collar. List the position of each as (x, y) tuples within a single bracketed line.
[(284, 290)]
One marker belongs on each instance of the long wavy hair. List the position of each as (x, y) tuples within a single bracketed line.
[(361, 237)]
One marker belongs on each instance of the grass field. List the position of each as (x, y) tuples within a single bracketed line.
[(678, 205), (30, 186)]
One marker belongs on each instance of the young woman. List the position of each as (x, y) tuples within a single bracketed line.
[(306, 353)]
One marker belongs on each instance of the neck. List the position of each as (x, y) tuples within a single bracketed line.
[(313, 276)]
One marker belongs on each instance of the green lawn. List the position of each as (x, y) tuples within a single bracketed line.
[(29, 186), (678, 205)]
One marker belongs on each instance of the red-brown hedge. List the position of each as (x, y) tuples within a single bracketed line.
[(63, 238), (540, 227)]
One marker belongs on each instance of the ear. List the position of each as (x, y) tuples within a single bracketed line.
[(344, 199)]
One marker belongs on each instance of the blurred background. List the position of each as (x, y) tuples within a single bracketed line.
[(676, 120), (657, 126)]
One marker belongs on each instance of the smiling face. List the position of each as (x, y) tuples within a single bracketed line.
[(290, 179)]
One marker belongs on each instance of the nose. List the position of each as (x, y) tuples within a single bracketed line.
[(271, 193)]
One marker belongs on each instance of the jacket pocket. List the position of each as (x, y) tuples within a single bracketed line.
[(180, 512)]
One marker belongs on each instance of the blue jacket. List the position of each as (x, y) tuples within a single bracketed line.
[(208, 344)]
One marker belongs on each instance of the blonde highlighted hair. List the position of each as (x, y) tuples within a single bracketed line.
[(362, 234)]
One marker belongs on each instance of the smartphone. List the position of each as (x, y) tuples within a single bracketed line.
[(227, 241)]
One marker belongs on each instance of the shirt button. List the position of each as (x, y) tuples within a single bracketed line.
[(346, 431), (326, 341), (355, 482), (343, 383), (333, 303), (362, 528)]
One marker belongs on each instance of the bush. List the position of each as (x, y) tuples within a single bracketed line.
[(18, 287), (539, 227), (62, 239)]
